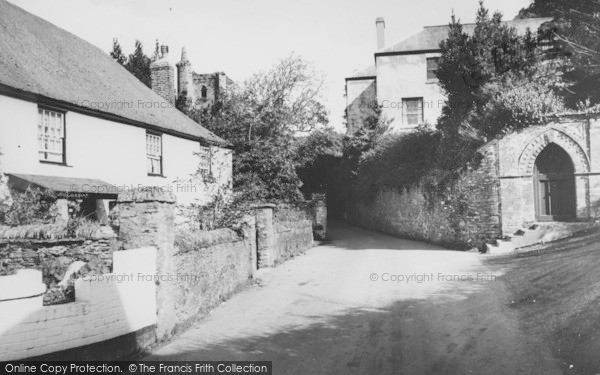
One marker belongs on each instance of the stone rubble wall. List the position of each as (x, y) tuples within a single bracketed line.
[(464, 215), (107, 306), (54, 257)]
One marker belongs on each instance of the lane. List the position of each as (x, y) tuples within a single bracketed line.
[(369, 303)]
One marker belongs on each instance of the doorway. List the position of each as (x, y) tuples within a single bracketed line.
[(554, 185)]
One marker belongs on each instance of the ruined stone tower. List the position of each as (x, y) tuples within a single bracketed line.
[(202, 90), (185, 82)]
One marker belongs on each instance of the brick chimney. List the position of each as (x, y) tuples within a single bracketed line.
[(162, 75), (380, 24)]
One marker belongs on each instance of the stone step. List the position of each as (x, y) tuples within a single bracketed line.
[(500, 247), (538, 233)]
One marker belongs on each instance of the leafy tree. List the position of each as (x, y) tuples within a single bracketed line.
[(575, 30), (318, 159), (485, 76), (261, 119), (117, 53), (469, 62), (33, 206), (139, 64)]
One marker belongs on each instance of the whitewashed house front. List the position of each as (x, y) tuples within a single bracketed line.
[(75, 121)]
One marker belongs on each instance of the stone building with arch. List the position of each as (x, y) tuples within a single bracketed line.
[(535, 184), (550, 173)]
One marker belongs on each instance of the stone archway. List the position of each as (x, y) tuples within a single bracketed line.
[(539, 143), (554, 185)]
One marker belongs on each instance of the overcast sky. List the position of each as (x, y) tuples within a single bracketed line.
[(241, 37)]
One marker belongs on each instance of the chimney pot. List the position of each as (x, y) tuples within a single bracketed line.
[(380, 24), (164, 51)]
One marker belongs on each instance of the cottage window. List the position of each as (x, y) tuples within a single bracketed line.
[(205, 160), (51, 136), (204, 92), (154, 153), (412, 111), (432, 67)]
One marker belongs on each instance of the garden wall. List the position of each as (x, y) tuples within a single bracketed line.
[(211, 265), (46, 248), (292, 238), (106, 307), (465, 213), (161, 278)]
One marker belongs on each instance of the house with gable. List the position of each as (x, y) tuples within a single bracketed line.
[(403, 78), (76, 122)]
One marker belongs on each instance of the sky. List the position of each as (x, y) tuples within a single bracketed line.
[(242, 37)]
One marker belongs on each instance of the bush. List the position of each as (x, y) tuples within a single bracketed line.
[(33, 206), (397, 160)]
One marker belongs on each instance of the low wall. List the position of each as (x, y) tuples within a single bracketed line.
[(292, 238), (314, 210), (464, 214), (210, 265), (106, 307), (54, 257)]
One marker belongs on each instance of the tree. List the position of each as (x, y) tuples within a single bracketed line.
[(469, 62), (575, 29), (117, 53), (139, 64), (261, 119), (318, 158), (487, 76)]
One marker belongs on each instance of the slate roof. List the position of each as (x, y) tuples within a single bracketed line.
[(369, 72), (59, 184), (39, 58), (430, 37)]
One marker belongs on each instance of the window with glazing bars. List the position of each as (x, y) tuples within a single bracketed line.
[(51, 136), (412, 110), (154, 153), (432, 67)]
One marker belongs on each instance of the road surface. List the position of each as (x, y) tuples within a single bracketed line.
[(368, 303)]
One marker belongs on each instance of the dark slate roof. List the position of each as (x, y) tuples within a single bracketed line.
[(430, 37), (39, 58), (369, 72)]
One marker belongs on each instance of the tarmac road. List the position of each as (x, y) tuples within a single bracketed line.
[(368, 303)]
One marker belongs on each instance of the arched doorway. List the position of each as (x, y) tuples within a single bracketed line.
[(554, 184)]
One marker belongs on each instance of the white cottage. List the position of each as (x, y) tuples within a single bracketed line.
[(75, 121)]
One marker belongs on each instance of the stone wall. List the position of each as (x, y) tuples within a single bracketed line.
[(146, 217), (56, 257), (292, 238), (107, 307), (211, 266), (314, 210), (464, 214)]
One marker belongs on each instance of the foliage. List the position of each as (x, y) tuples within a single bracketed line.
[(495, 81), (575, 30), (516, 101), (397, 161), (261, 119), (318, 158), (32, 206), (137, 63), (117, 53)]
